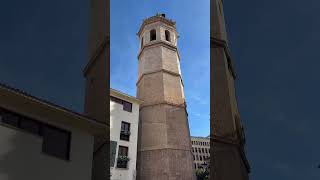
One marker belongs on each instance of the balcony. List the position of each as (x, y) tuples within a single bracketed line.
[(125, 135), (122, 162)]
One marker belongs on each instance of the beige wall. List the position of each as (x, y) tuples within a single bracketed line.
[(164, 148), (21, 157)]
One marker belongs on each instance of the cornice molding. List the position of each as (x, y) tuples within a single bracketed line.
[(183, 105), (154, 19), (156, 44), (157, 71), (218, 43), (231, 142)]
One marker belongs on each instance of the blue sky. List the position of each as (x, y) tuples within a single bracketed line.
[(193, 26)]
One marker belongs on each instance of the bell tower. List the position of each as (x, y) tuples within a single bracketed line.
[(227, 136), (164, 146)]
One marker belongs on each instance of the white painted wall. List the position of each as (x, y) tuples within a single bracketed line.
[(200, 139), (21, 157), (117, 114)]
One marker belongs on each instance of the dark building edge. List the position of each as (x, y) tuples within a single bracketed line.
[(220, 141), (100, 168)]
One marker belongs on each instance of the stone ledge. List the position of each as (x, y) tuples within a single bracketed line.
[(218, 43), (157, 71), (157, 43), (235, 143), (183, 105)]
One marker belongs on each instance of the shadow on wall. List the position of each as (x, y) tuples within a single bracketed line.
[(113, 145), (21, 158)]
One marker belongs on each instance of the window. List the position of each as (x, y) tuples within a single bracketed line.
[(123, 151), (10, 119), (153, 35), (125, 131), (167, 33), (196, 149), (30, 126), (56, 142), (116, 100), (200, 158), (195, 166), (122, 157), (127, 106)]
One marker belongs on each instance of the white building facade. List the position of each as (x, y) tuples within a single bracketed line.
[(40, 140), (201, 151), (124, 119)]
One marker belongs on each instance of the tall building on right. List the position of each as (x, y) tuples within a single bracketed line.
[(227, 135)]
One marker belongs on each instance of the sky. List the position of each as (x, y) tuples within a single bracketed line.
[(43, 50), (193, 26)]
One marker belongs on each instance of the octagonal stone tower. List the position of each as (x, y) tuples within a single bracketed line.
[(164, 146)]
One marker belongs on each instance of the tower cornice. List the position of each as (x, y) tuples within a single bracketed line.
[(159, 43), (157, 71), (236, 143), (182, 105), (218, 43), (154, 19)]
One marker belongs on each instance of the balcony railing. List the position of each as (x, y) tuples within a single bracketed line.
[(125, 135), (122, 161)]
